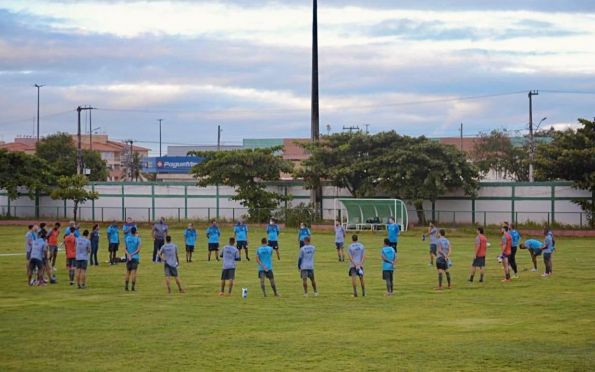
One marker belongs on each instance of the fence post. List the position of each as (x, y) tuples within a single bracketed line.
[(102, 219), (179, 215), (438, 220), (454, 218), (57, 213), (37, 204), (434, 212), (123, 205), (548, 219), (512, 200), (93, 203), (485, 215), (473, 211), (153, 199), (516, 218), (553, 204), (233, 213), (186, 202), (148, 214), (64, 209), (208, 213), (8, 198), (581, 219)]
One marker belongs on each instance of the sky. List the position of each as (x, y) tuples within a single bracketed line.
[(417, 67)]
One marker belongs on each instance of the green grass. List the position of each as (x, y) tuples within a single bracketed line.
[(529, 324)]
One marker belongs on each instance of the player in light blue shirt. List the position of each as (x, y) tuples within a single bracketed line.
[(190, 240), (516, 239), (442, 261), (549, 246), (169, 256), (213, 234), (392, 230), (264, 255), (306, 265), (534, 247), (72, 225), (113, 237), (389, 259), (357, 257), (133, 247), (303, 233), (240, 231), (230, 255), (340, 240), (83, 249), (273, 236), (433, 234)]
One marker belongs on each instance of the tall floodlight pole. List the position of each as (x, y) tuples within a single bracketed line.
[(531, 139), (38, 86), (217, 185), (316, 194), (159, 120), (79, 153)]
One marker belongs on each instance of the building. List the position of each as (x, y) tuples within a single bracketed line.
[(116, 154)]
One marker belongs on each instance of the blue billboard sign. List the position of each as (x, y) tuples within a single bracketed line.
[(172, 164)]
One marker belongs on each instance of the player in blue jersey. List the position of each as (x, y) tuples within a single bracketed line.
[(516, 240), (133, 247), (213, 234), (264, 255), (306, 265), (303, 233), (549, 246), (534, 247), (273, 236), (113, 238), (392, 230), (240, 231), (389, 260), (357, 257), (190, 240), (340, 240)]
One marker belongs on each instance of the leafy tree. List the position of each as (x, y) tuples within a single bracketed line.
[(73, 188), (19, 170), (495, 152), (246, 171), (571, 156), (60, 152)]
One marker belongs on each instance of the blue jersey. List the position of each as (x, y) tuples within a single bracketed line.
[(132, 244), (190, 236), (127, 229), (241, 232), (303, 233), (533, 245), (213, 233), (113, 234), (516, 238), (77, 234), (390, 254), (393, 230), (273, 232), (265, 254)]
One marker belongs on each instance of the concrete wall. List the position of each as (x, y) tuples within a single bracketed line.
[(495, 202)]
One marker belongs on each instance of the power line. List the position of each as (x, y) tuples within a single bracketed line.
[(566, 91), (15, 121)]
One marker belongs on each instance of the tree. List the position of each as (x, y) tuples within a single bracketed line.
[(73, 188), (421, 169), (571, 156), (19, 170), (59, 151), (495, 152), (246, 171)]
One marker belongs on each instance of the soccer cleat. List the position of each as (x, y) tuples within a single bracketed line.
[(305, 295), (533, 270), (315, 294), (439, 288), (515, 276), (221, 294), (505, 280), (545, 275)]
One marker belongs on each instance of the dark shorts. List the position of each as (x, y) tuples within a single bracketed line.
[(547, 256), (228, 274), (387, 274), (266, 274), (535, 252), (274, 244), (353, 271), (71, 263), (302, 243), (35, 263), (307, 274), (213, 247), (479, 262), (441, 263), (434, 249), (53, 249), (81, 264), (170, 271), (113, 247), (339, 245), (132, 265), (241, 244), (189, 248)]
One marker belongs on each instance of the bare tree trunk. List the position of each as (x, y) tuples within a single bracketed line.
[(76, 205), (421, 214)]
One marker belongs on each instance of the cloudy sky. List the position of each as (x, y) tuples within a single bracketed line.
[(419, 67)]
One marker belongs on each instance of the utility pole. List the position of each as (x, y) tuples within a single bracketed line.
[(531, 139), (90, 131), (316, 193), (79, 153), (367, 128), (38, 86), (217, 185), (461, 130), (159, 120), (131, 158)]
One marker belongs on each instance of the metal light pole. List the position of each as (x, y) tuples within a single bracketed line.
[(316, 193), (79, 153), (531, 139), (217, 185), (38, 86), (159, 120)]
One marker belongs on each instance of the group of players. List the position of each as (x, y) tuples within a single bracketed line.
[(81, 250)]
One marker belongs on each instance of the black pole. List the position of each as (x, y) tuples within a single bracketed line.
[(316, 194), (531, 139), (78, 148), (38, 86), (90, 131)]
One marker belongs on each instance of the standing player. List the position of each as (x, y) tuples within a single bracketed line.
[(264, 255), (389, 259), (30, 237), (240, 232), (213, 234), (94, 238), (83, 249), (168, 253), (133, 246), (37, 253), (357, 257), (516, 239), (534, 247), (230, 255), (479, 260), (190, 240), (113, 238), (127, 228), (159, 233), (506, 249), (433, 233), (306, 265), (393, 230), (340, 240), (72, 228), (303, 233), (53, 237), (444, 252), (70, 248), (273, 236), (549, 245)]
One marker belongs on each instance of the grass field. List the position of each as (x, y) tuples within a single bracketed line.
[(530, 324)]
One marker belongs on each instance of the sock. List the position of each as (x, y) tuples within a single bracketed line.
[(448, 278), (355, 291), (126, 286), (470, 278), (71, 275), (264, 291), (133, 284), (364, 291), (274, 289), (481, 277), (507, 275), (440, 280), (388, 286)]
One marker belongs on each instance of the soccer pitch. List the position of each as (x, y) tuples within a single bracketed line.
[(531, 323)]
